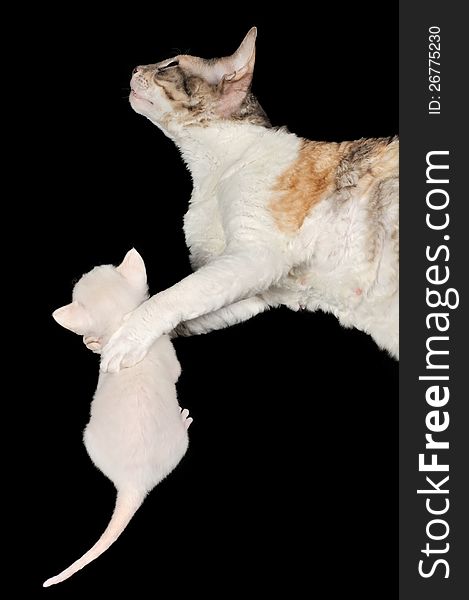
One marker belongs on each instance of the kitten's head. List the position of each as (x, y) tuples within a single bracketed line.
[(187, 90), (102, 297)]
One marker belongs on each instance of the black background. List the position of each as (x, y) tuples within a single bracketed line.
[(290, 480)]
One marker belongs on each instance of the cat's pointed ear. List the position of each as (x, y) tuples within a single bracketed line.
[(133, 269), (73, 317), (236, 75), (244, 57)]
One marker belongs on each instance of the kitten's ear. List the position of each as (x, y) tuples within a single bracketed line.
[(236, 75), (133, 269), (73, 317)]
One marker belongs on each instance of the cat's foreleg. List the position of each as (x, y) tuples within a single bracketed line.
[(224, 317), (225, 280)]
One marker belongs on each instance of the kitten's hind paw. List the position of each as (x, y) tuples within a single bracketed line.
[(185, 417)]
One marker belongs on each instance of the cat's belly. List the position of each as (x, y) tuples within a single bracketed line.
[(311, 290), (367, 299)]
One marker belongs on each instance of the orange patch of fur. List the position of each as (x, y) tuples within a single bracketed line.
[(304, 184)]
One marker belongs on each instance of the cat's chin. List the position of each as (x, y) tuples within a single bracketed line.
[(135, 97)]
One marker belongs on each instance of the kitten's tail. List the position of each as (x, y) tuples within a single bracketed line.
[(127, 504)]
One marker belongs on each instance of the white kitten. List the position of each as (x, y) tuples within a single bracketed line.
[(137, 433)]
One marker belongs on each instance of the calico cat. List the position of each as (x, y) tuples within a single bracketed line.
[(137, 433), (273, 220)]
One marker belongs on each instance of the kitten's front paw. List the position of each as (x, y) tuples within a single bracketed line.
[(92, 343), (122, 351)]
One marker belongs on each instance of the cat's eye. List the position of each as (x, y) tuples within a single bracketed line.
[(171, 65)]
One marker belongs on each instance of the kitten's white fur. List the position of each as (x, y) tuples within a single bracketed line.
[(243, 263), (137, 433)]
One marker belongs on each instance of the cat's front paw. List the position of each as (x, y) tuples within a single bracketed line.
[(122, 351)]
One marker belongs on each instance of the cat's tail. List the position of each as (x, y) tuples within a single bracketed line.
[(127, 504)]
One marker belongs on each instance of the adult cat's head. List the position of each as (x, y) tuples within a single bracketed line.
[(101, 299), (188, 90)]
